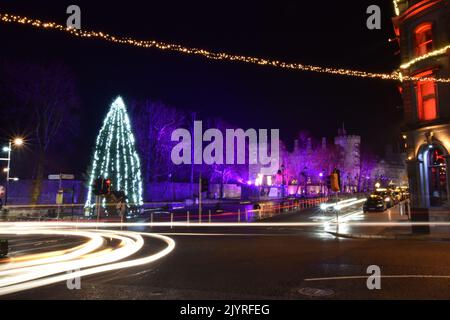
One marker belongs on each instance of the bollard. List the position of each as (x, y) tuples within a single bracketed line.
[(171, 220), (199, 216), (209, 216), (187, 218), (151, 220), (239, 215)]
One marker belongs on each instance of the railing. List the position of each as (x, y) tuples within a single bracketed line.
[(259, 211)]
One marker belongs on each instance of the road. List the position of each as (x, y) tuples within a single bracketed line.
[(260, 263)]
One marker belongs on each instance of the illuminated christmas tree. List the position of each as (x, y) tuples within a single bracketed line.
[(115, 156)]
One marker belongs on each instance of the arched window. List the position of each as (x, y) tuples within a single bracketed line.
[(426, 97), (424, 39)]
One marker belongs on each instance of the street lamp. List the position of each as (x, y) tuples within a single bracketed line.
[(17, 142)]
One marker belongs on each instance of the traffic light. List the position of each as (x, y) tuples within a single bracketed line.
[(335, 180), (107, 186), (101, 186)]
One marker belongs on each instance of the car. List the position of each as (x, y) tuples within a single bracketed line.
[(374, 203), (405, 192), (397, 196), (3, 248), (386, 195)]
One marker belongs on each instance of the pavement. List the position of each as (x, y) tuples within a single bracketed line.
[(396, 214)]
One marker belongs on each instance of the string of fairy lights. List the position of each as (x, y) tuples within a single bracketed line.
[(118, 161), (396, 75)]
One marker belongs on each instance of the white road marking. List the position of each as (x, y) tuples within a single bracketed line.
[(382, 276)]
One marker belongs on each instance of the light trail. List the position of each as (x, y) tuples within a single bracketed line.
[(93, 256), (325, 206), (216, 224), (34, 271), (349, 204), (54, 256), (92, 259)]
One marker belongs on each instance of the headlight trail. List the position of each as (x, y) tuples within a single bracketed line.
[(50, 257), (105, 256), (219, 224), (325, 206), (45, 269), (94, 256), (341, 206)]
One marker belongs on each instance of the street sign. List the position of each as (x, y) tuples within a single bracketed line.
[(61, 177)]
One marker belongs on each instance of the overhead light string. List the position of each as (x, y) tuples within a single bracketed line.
[(396, 75)]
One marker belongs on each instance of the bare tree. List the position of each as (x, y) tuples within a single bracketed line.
[(47, 99), (154, 123)]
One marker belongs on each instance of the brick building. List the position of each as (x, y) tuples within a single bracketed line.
[(423, 31)]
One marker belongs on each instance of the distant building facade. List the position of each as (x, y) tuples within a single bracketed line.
[(391, 170), (423, 31), (349, 155)]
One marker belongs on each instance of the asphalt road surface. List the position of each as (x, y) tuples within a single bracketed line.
[(260, 263)]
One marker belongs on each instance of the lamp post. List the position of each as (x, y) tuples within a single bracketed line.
[(16, 142)]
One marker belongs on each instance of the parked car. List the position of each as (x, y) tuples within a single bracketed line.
[(386, 195), (405, 192), (397, 196), (374, 203)]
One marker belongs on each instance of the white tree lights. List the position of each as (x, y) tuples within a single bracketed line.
[(115, 155)]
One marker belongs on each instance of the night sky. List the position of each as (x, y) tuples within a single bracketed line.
[(325, 33)]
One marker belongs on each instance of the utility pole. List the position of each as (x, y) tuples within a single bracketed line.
[(200, 195), (7, 172), (191, 190), (17, 142)]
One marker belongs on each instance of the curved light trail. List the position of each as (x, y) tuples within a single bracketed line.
[(107, 250), (231, 224), (90, 258)]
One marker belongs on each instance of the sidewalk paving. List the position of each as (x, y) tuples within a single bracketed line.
[(395, 214)]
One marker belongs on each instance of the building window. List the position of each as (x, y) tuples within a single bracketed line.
[(426, 98), (424, 39)]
